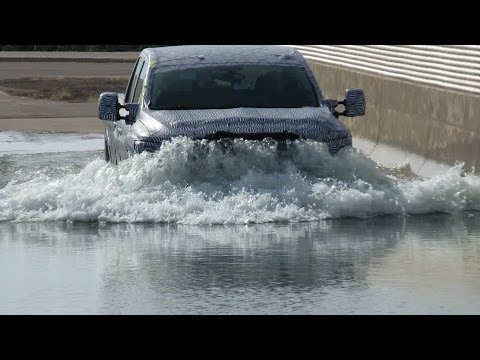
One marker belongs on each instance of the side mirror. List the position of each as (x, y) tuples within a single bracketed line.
[(132, 111), (354, 103), (109, 108)]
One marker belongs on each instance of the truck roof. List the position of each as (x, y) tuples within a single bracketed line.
[(203, 55)]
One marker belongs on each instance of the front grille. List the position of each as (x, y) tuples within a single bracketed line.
[(283, 136)]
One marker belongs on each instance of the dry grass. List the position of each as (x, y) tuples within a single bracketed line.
[(85, 89)]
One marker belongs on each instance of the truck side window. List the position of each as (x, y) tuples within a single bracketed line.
[(133, 81), (141, 80)]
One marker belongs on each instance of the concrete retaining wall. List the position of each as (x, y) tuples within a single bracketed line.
[(435, 123)]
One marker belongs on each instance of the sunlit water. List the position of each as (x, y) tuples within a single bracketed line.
[(247, 228)]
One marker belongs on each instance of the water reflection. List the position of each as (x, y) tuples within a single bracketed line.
[(339, 266)]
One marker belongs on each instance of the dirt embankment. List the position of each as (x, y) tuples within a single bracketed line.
[(58, 92), (78, 90)]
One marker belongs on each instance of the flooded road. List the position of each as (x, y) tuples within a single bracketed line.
[(197, 230)]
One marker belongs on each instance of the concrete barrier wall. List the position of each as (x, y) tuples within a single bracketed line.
[(435, 123), (454, 67)]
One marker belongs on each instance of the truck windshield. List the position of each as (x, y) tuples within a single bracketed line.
[(224, 87)]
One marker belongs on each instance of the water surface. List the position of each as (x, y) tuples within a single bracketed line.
[(203, 229)]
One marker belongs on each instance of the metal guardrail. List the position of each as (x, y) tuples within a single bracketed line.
[(451, 66)]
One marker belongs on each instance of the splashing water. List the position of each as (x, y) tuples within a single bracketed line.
[(198, 182)]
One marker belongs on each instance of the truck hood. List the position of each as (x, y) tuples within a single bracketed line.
[(308, 123)]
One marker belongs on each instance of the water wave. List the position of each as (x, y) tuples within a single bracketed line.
[(198, 182)]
